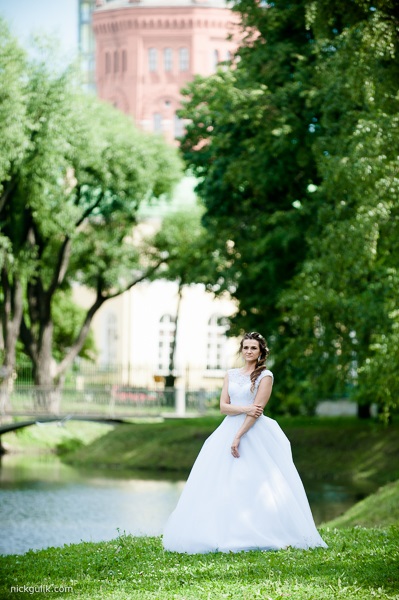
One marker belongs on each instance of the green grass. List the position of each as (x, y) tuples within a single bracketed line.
[(359, 564), (53, 437), (325, 449), (378, 510)]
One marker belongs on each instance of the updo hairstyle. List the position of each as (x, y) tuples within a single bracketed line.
[(264, 353)]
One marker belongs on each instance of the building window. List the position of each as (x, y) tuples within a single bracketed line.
[(215, 59), (178, 127), (85, 12), (116, 61), (168, 59), (107, 63), (111, 339), (184, 59), (157, 122), (152, 59), (85, 38), (167, 328), (216, 341), (228, 55), (124, 61)]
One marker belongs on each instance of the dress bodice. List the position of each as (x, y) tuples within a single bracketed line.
[(240, 386)]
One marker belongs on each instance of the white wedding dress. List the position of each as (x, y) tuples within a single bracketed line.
[(256, 501)]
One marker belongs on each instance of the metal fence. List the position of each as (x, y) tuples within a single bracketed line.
[(117, 391)]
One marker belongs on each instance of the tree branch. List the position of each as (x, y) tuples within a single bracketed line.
[(7, 191), (142, 277), (61, 267), (89, 210), (28, 341), (100, 299), (65, 251), (80, 340)]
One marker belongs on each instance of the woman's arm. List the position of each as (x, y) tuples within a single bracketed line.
[(226, 408), (261, 399)]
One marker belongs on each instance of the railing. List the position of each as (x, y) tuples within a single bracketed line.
[(115, 392), (100, 401)]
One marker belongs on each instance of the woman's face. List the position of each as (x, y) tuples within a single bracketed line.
[(250, 350)]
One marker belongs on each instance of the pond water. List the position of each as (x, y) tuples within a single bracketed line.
[(46, 503)]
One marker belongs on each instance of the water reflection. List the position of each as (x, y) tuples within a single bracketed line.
[(46, 503), (329, 500), (49, 504)]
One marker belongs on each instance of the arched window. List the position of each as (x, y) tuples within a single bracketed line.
[(152, 59), (184, 59), (116, 61), (215, 59), (216, 341), (111, 339), (168, 59), (107, 63), (157, 122), (178, 127), (167, 328)]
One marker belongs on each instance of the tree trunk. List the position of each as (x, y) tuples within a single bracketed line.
[(47, 393), (11, 322), (171, 378)]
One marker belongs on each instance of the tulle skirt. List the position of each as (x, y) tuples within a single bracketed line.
[(232, 504)]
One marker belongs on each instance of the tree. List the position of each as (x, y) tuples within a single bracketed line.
[(249, 141), (296, 147), (14, 141), (73, 207), (188, 248), (340, 308)]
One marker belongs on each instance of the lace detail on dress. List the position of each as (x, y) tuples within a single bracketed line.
[(236, 376), (240, 378)]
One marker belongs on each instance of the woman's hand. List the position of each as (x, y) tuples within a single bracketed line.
[(255, 411), (234, 447)]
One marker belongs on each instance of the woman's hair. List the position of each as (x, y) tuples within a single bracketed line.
[(264, 353)]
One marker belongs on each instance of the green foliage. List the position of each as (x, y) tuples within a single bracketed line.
[(249, 141), (13, 133), (70, 445), (68, 319), (187, 247), (359, 564), (340, 312), (69, 204), (296, 147)]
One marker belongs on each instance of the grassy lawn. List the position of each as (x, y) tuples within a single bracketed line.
[(359, 564), (47, 437)]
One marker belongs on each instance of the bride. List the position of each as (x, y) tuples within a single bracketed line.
[(243, 492)]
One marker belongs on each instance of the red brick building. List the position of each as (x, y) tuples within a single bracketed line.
[(147, 50)]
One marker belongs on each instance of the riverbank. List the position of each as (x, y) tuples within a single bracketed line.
[(380, 509), (359, 564), (326, 449), (56, 437)]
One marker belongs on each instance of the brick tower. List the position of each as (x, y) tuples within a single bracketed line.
[(147, 50)]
